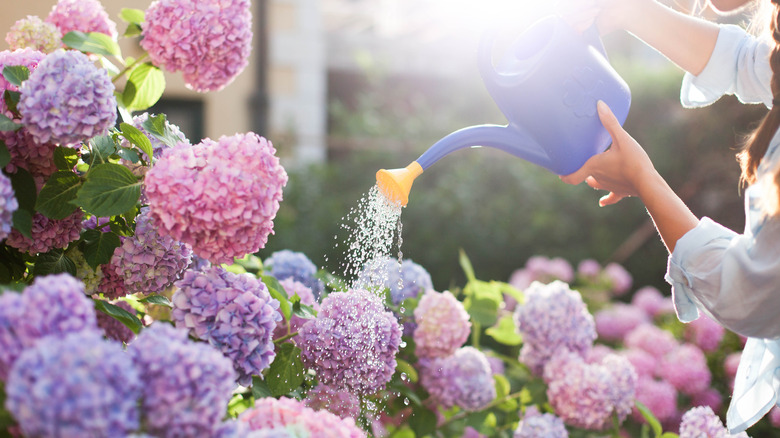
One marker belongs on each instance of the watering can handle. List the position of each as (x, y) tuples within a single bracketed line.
[(591, 36)]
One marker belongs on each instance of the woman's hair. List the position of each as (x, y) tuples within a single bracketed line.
[(758, 142)]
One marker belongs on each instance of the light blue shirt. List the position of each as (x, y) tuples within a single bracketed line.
[(735, 278)]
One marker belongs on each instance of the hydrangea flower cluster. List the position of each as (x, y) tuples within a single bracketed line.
[(342, 403), (686, 368), (652, 301), (463, 379), (29, 58), (227, 193), (553, 316), (76, 385), (81, 15), (67, 99), (186, 385), (209, 41), (405, 280), (149, 262), (53, 305), (233, 312), (614, 322), (292, 417), (47, 234), (113, 328), (442, 325), (587, 395), (705, 333), (34, 33), (352, 343), (535, 425), (542, 269), (620, 279), (37, 159), (157, 145), (651, 339), (285, 264), (702, 422), (659, 396), (292, 288), (8, 205)]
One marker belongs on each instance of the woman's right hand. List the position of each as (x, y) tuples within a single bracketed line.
[(608, 15)]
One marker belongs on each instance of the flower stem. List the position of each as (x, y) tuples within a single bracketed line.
[(494, 403), (130, 67), (285, 337)]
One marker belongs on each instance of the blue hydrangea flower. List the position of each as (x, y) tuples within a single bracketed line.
[(76, 385), (286, 263), (405, 280), (463, 379), (535, 425)]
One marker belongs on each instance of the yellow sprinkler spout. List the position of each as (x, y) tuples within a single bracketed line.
[(395, 184)]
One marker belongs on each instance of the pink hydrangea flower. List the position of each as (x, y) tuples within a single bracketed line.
[(659, 396), (209, 41), (542, 269), (705, 333), (620, 278), (652, 339), (220, 197), (613, 323), (589, 269), (337, 401), (442, 324), (29, 58), (34, 33), (652, 301), (290, 416), (26, 153), (47, 234), (686, 368), (81, 15), (701, 422), (730, 366), (644, 363), (709, 397), (774, 416)]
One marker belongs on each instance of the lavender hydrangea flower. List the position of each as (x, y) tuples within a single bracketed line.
[(53, 305), (686, 368), (37, 159), (67, 99), (709, 397), (292, 288), (442, 325), (552, 316), (614, 322), (659, 396), (463, 379), (652, 339), (536, 425), (352, 343), (8, 205), (701, 422), (77, 385), (705, 333), (652, 301), (149, 262), (47, 234), (296, 265), (186, 385), (227, 193), (644, 363), (620, 278), (81, 15), (209, 41), (405, 280), (34, 33), (342, 403), (113, 328), (233, 312), (286, 414), (542, 269)]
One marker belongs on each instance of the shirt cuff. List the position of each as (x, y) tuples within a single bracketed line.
[(714, 81)]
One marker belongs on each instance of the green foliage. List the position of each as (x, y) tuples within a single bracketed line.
[(92, 42), (128, 319), (145, 86)]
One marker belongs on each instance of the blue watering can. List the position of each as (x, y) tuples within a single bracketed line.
[(547, 85)]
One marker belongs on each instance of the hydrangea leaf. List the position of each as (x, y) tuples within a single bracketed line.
[(133, 16), (99, 247), (157, 299), (100, 148), (505, 332), (109, 190), (465, 264), (22, 221), (65, 158), (6, 124), (55, 196), (26, 195), (11, 99), (405, 367), (138, 138), (286, 371), (277, 291), (144, 87), (128, 319), (650, 418), (12, 265), (54, 262), (483, 300), (422, 421), (16, 74), (260, 388), (156, 126), (92, 42), (5, 156)]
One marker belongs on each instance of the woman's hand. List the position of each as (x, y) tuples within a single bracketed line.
[(608, 15), (622, 169)]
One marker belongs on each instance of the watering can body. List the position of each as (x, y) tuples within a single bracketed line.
[(547, 84)]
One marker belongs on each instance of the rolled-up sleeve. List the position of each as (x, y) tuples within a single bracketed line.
[(739, 65)]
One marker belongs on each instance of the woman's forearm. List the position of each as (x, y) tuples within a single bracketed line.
[(672, 218)]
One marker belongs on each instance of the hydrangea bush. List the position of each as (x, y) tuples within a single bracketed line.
[(132, 302)]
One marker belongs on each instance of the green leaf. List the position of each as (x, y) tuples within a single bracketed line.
[(303, 311), (109, 190), (650, 418), (465, 264), (130, 15), (144, 87), (128, 319), (5, 156), (12, 264), (26, 195), (277, 291), (65, 158), (128, 154), (54, 262), (11, 99), (99, 247), (405, 367), (260, 388), (16, 74), (156, 126), (286, 371), (22, 221), (422, 421), (505, 332), (138, 138), (403, 432), (132, 30), (6, 124), (55, 196), (101, 147), (502, 385), (93, 42), (157, 299)]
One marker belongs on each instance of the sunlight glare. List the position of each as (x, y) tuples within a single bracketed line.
[(481, 14)]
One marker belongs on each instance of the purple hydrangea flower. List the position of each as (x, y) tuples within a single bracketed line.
[(701, 422), (54, 305), (8, 205), (286, 414), (614, 322), (442, 325), (542, 269), (352, 343), (405, 280), (659, 396), (47, 234), (292, 288), (37, 159), (651, 339), (227, 193), (296, 265), (209, 41), (588, 395), (589, 269), (620, 278), (34, 33), (186, 385), (709, 397), (111, 285), (81, 15), (686, 368), (337, 401), (149, 262), (233, 312), (644, 363), (463, 379), (113, 328), (652, 301), (67, 99), (536, 425), (552, 316), (705, 333), (76, 385)]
